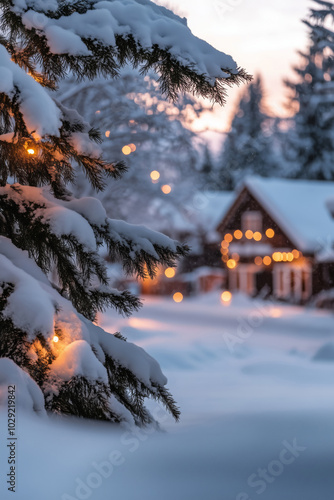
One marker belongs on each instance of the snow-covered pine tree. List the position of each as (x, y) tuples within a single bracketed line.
[(140, 125), (53, 281), (247, 148), (309, 144)]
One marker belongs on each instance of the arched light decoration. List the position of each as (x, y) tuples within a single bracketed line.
[(238, 234), (228, 237), (270, 233)]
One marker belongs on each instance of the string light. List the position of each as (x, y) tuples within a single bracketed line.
[(258, 260), (170, 272), (270, 233), (166, 189), (126, 150), (267, 260), (238, 234), (177, 297), (231, 263), (155, 175), (249, 234), (257, 236), (132, 147), (228, 237)]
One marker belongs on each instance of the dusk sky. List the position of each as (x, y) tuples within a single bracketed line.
[(261, 35)]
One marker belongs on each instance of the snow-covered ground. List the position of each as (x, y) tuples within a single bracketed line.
[(254, 381)]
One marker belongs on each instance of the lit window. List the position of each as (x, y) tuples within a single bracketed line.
[(252, 220)]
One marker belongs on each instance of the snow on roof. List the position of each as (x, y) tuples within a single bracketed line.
[(213, 206), (299, 207)]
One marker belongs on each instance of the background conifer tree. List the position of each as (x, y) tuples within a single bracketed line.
[(309, 144), (247, 148)]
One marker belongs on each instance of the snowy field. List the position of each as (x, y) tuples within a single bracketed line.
[(254, 381)]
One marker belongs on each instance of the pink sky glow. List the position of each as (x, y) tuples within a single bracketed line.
[(261, 35)]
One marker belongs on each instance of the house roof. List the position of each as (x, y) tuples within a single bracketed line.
[(213, 207), (299, 207)]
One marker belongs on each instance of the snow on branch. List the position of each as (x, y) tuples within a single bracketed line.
[(94, 37)]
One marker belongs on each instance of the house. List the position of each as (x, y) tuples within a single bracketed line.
[(277, 236)]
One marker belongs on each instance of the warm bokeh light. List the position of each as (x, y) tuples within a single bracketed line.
[(295, 254), (31, 151), (258, 260), (166, 189), (126, 150), (107, 133), (231, 263), (224, 244), (238, 234), (155, 175), (275, 312), (277, 256), (236, 257), (170, 272), (55, 338), (270, 233), (290, 256), (132, 147), (226, 296), (97, 112), (257, 236), (228, 237), (249, 234), (177, 297), (284, 256), (267, 260)]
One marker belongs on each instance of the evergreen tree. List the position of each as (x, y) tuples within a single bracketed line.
[(207, 171), (309, 144), (53, 281), (247, 148), (153, 135)]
